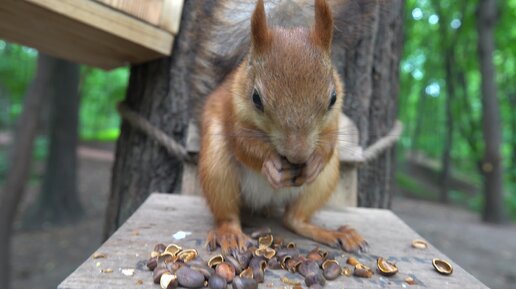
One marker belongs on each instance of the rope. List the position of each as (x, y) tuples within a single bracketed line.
[(174, 148), (177, 150), (384, 143)]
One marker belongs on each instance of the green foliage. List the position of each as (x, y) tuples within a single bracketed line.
[(100, 91), (17, 65), (431, 27)]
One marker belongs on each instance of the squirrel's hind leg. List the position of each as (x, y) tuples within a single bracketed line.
[(297, 214)]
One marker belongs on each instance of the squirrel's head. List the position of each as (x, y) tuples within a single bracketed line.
[(288, 87)]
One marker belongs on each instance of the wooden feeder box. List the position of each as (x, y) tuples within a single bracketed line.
[(104, 33)]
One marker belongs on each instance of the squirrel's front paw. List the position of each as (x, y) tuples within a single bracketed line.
[(228, 237), (311, 169), (349, 240), (280, 173)]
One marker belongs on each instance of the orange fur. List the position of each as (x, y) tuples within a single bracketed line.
[(291, 139)]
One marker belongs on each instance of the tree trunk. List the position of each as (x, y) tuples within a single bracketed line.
[(444, 178), (21, 158), (159, 91), (420, 115), (372, 85), (208, 49), (58, 201), (512, 102), (491, 164)]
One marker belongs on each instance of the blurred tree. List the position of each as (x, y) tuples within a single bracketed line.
[(20, 159), (492, 162), (58, 200)]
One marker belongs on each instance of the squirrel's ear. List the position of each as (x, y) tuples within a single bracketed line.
[(259, 30), (323, 27)]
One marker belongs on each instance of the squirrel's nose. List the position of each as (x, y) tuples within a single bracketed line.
[(297, 158), (297, 150)]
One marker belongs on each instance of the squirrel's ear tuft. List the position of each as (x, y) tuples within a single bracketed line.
[(323, 27), (261, 37)]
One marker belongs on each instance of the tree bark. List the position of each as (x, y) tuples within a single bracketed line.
[(58, 202), (512, 102), (444, 178), (21, 158), (372, 85), (491, 164), (159, 91)]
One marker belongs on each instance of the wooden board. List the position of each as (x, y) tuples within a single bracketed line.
[(83, 31), (147, 10), (163, 215), (165, 14)]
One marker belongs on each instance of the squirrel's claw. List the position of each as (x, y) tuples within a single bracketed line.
[(350, 240), (227, 238)]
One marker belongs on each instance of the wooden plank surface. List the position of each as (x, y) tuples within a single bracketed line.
[(86, 32), (147, 10), (163, 215)]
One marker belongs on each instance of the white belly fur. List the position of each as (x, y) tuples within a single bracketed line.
[(257, 193)]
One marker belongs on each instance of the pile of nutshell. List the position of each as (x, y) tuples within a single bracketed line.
[(174, 266)]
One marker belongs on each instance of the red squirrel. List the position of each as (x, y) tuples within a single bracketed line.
[(269, 133)]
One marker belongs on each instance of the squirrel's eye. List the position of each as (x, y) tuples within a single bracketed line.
[(257, 100), (333, 99)]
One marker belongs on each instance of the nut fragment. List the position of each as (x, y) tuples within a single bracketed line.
[(167, 257), (266, 252), (226, 271), (215, 260), (158, 249), (419, 244), (315, 279), (308, 267), (173, 249), (204, 269), (331, 269), (247, 273), (128, 272), (258, 265), (190, 278), (289, 281), (315, 255), (158, 272), (266, 240), (273, 264), (152, 263), (385, 267), (346, 271), (352, 261), (98, 255), (410, 281), (243, 257), (363, 271), (217, 282), (292, 263), (244, 283), (187, 255), (291, 245), (442, 266), (168, 281), (292, 252), (260, 232)]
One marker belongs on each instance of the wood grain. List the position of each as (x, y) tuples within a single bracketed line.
[(147, 10), (163, 215), (86, 32)]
